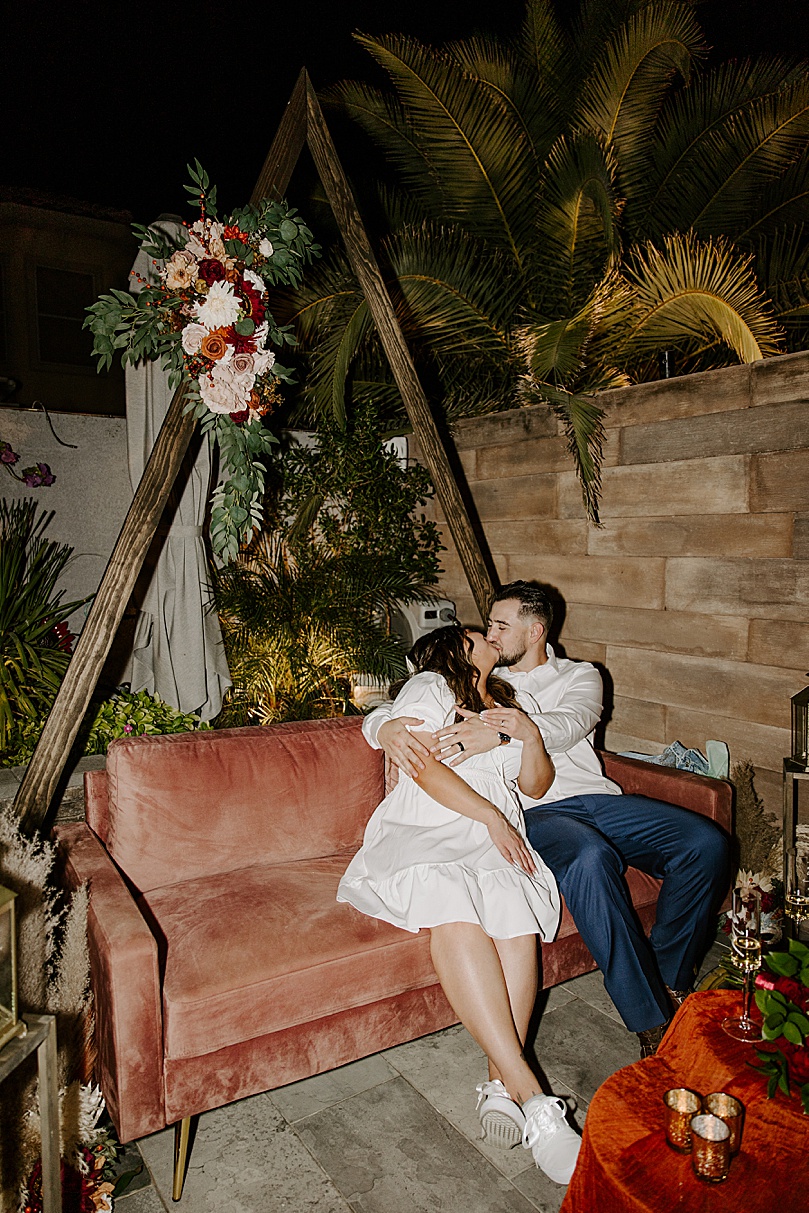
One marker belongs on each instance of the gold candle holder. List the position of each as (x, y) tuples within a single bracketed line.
[(729, 1109), (710, 1148), (680, 1106)]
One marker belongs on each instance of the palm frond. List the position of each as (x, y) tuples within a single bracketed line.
[(623, 94), (577, 222), (782, 268), (691, 121), (691, 290), (481, 154), (782, 202), (742, 158), (545, 48)]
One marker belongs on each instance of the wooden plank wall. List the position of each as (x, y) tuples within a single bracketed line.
[(694, 595)]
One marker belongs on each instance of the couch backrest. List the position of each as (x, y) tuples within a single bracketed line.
[(194, 804)]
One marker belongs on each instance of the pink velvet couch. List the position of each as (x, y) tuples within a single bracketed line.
[(221, 963)]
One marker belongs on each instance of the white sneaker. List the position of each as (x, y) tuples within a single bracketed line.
[(501, 1118), (549, 1137)]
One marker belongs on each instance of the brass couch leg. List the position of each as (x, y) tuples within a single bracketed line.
[(182, 1131)]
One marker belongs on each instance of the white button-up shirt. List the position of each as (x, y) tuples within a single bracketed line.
[(569, 694)]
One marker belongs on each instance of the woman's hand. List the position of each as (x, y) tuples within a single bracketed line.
[(512, 721), (511, 844), (457, 742)]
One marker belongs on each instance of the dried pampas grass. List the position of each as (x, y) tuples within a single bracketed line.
[(54, 978)]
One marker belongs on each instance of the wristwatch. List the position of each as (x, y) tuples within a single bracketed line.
[(504, 738)]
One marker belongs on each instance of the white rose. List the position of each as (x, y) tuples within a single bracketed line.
[(265, 247), (221, 307), (191, 338), (262, 361), (226, 392), (242, 364)]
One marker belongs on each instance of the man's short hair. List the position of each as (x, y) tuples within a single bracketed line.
[(532, 598)]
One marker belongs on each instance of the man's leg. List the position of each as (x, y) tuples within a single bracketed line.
[(690, 855), (589, 870)]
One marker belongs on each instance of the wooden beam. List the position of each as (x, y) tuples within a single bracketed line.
[(365, 266), (38, 786)]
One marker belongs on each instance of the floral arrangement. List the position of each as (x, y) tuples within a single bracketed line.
[(37, 476), (206, 317), (771, 892), (782, 996)]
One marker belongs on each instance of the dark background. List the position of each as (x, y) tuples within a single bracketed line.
[(106, 102)]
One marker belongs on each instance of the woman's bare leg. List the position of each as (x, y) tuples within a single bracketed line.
[(519, 961), (469, 968)]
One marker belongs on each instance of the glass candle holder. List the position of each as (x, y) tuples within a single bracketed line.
[(680, 1106), (710, 1148), (729, 1109)]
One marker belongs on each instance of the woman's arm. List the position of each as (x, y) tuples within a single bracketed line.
[(537, 771), (444, 785)]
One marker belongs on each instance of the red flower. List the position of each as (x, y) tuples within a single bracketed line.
[(251, 299), (241, 345), (240, 417), (235, 233), (798, 1061), (791, 989), (64, 638), (211, 270)]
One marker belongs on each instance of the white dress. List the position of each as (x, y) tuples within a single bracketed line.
[(422, 864)]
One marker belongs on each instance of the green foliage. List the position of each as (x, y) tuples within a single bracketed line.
[(306, 610), (31, 662), (125, 714), (275, 244), (129, 714), (783, 1018), (568, 206)]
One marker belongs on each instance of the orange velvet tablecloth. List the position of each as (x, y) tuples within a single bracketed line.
[(625, 1163)]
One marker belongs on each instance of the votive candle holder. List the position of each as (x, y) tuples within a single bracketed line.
[(680, 1105), (729, 1109), (710, 1148)]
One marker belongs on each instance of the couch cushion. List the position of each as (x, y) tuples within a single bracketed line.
[(190, 805), (268, 947)]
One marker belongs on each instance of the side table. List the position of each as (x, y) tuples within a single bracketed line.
[(625, 1165), (41, 1035)]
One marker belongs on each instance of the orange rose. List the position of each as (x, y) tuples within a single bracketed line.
[(214, 346)]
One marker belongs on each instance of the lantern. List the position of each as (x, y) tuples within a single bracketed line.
[(800, 728), (10, 1025)]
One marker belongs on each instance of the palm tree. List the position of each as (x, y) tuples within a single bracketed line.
[(567, 206)]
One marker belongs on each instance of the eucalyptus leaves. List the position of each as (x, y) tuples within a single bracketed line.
[(204, 314)]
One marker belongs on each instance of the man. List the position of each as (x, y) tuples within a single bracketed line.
[(587, 831)]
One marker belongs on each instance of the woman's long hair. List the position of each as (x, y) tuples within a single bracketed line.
[(447, 651)]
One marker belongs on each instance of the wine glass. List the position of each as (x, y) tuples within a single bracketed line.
[(745, 938)]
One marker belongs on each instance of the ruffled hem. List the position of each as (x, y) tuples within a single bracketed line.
[(504, 902)]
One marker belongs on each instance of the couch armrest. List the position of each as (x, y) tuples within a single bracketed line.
[(126, 987), (711, 797)]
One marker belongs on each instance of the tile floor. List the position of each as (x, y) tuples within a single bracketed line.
[(394, 1133)]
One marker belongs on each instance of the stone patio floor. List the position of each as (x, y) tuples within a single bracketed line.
[(394, 1133)]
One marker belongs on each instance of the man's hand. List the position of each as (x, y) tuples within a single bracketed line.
[(456, 742), (401, 746)]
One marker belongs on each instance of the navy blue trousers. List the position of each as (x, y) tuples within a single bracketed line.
[(588, 842)]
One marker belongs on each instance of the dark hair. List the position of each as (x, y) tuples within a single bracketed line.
[(532, 598), (446, 651)]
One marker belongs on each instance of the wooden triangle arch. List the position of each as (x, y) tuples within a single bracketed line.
[(303, 122)]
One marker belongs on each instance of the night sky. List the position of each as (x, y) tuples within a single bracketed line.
[(106, 102)]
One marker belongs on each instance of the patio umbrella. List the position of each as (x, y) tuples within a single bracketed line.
[(177, 651)]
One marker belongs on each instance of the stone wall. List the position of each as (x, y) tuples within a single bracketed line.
[(693, 595)]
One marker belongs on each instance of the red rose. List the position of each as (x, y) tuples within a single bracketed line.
[(798, 1059), (240, 417), (211, 270)]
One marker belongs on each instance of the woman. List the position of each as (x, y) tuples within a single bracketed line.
[(448, 851)]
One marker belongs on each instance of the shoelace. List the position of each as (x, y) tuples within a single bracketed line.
[(542, 1122), (485, 1089)]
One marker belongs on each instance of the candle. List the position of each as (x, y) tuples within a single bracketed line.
[(680, 1106), (731, 1111), (710, 1148)]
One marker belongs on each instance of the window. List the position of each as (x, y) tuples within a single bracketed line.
[(62, 296)]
